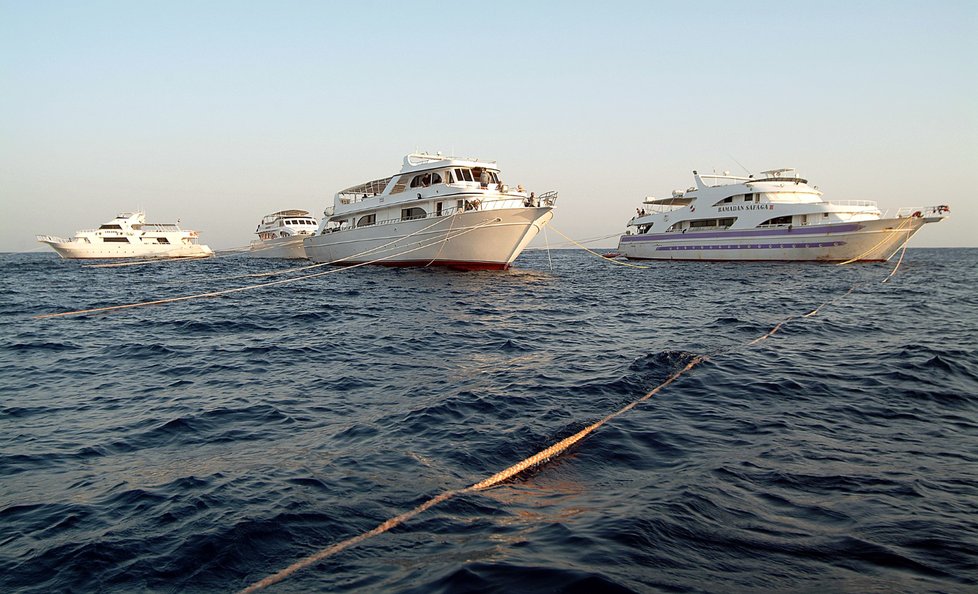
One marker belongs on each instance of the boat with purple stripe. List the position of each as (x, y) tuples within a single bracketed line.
[(776, 216)]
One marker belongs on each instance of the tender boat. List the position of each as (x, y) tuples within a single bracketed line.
[(280, 235), (776, 216), (128, 235), (438, 211)]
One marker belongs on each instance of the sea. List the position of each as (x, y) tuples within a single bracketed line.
[(204, 444)]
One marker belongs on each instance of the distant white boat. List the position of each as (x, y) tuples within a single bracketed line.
[(776, 216), (128, 235), (280, 235), (438, 211)]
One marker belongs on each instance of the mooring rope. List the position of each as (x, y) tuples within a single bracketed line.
[(260, 285), (585, 240), (503, 475), (159, 260), (546, 239), (903, 250), (590, 251), (536, 459), (295, 269), (886, 237)]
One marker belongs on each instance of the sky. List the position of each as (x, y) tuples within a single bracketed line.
[(216, 113)]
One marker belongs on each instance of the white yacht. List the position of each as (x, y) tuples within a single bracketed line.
[(128, 235), (280, 235), (438, 211), (774, 216)]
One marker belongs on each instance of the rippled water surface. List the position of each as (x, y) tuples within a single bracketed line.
[(200, 446)]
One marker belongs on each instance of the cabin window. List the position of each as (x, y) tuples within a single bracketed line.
[(438, 207), (115, 239), (748, 197), (712, 223), (778, 221), (464, 174), (423, 180), (449, 179), (365, 220), (408, 214), (111, 227), (163, 240)]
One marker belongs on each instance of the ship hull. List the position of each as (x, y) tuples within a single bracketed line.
[(73, 250), (471, 240), (282, 248), (865, 241)]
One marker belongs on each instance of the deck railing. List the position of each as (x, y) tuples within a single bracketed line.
[(861, 203), (545, 199), (923, 211)]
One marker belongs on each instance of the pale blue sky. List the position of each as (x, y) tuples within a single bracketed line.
[(217, 113)]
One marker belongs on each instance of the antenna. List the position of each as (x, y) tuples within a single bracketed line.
[(741, 165)]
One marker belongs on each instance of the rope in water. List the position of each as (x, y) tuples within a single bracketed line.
[(525, 464), (257, 286), (151, 261), (503, 475)]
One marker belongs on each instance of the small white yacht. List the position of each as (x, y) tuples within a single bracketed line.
[(438, 211), (128, 235), (775, 216), (280, 235)]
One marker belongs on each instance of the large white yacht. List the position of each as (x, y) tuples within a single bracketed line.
[(438, 211), (773, 216), (128, 235), (280, 235)]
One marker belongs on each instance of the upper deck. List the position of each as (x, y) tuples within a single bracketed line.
[(423, 170)]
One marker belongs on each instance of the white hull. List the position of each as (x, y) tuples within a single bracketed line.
[(874, 240), (285, 248), (470, 240), (76, 250)]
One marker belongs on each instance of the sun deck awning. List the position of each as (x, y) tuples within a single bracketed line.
[(290, 213), (671, 201), (369, 188)]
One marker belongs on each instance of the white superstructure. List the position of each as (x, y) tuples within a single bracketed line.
[(280, 235), (438, 211), (774, 216), (128, 235)]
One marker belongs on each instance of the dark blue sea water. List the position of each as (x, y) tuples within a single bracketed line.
[(200, 446)]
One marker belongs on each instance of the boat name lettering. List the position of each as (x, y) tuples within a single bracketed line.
[(746, 207)]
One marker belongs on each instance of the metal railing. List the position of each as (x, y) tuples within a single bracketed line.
[(547, 198), (472, 205), (923, 211), (862, 203)]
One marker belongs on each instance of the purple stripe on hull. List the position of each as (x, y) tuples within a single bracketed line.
[(807, 230), (750, 246)]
